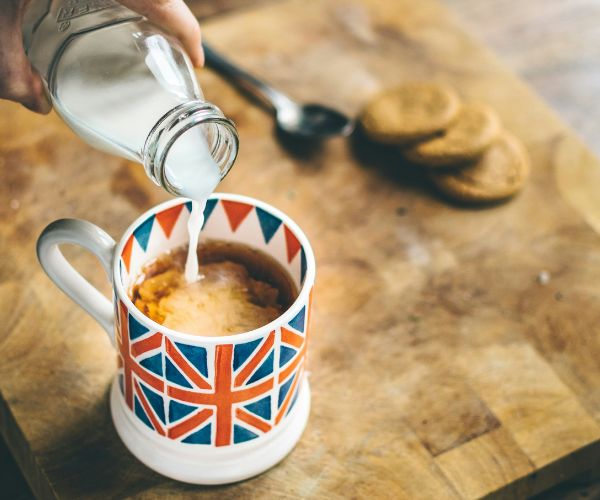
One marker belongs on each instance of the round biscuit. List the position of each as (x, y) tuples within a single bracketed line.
[(499, 173), (468, 136), (409, 112)]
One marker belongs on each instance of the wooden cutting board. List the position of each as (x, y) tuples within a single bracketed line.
[(441, 367)]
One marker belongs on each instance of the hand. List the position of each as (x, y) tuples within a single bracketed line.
[(20, 82)]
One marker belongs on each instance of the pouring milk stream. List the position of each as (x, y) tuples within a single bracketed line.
[(129, 89)]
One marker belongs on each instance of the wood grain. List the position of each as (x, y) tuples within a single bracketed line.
[(440, 366), (554, 45)]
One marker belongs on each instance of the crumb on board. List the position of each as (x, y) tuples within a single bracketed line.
[(543, 278)]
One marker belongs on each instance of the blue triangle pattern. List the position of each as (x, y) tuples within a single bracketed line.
[(188, 205), (266, 368), (293, 401), (196, 356), (179, 410), (203, 436), (302, 266), (139, 411), (142, 233), (285, 354), (136, 329), (155, 401), (174, 375), (241, 434), (153, 363), (208, 209), (268, 223), (297, 322), (242, 352), (262, 408), (283, 390)]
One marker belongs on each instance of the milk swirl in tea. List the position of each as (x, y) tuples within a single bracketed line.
[(241, 289)]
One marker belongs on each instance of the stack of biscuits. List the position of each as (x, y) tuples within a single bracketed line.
[(467, 154)]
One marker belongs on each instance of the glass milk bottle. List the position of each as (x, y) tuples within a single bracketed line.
[(128, 88)]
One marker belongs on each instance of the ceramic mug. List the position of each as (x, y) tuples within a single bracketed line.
[(205, 410)]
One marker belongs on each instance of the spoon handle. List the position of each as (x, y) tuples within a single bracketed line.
[(243, 79)]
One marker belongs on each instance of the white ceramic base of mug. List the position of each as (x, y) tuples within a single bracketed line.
[(199, 464)]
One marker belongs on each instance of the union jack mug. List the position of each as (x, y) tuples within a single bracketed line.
[(205, 410)]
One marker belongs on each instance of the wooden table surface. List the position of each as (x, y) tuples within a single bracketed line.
[(554, 45), (561, 68)]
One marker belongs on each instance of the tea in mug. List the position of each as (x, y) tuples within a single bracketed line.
[(240, 289)]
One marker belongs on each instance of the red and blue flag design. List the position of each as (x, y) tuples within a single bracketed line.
[(292, 357), (221, 395), (141, 370), (236, 401), (201, 394)]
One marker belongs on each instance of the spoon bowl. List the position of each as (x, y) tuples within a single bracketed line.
[(313, 121)]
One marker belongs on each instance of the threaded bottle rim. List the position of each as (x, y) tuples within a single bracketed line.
[(223, 146)]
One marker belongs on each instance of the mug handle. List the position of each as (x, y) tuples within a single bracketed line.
[(81, 291)]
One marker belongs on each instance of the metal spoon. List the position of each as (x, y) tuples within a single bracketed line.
[(308, 121)]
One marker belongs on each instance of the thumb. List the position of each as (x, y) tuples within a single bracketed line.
[(19, 82), (32, 93)]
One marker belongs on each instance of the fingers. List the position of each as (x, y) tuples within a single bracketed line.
[(175, 17), (19, 82)]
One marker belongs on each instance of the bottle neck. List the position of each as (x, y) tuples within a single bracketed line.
[(218, 131)]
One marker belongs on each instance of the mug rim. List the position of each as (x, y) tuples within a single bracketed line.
[(284, 318)]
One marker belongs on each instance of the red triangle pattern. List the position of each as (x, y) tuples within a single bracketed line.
[(292, 244), (167, 218), (126, 254), (236, 212)]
